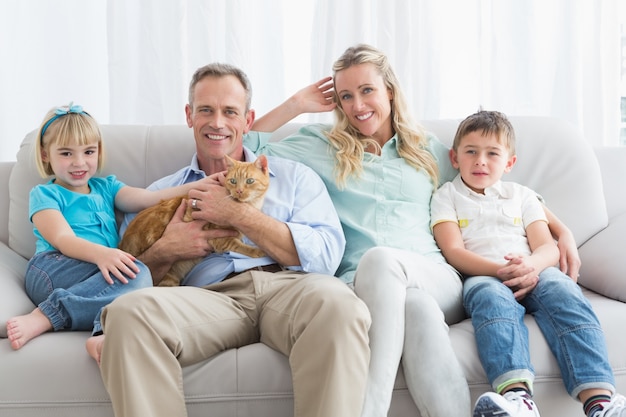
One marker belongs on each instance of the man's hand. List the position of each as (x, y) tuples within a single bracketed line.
[(180, 240), (272, 236), (185, 240), (213, 204), (188, 240)]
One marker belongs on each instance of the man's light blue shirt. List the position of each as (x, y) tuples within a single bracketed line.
[(388, 205), (297, 197)]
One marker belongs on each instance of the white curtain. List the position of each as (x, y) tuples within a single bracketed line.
[(524, 57), (51, 52), (129, 61)]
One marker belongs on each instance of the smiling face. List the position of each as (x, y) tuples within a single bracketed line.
[(482, 160), (73, 166), (365, 100), (218, 119)]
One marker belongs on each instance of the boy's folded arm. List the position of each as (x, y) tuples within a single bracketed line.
[(545, 253), (449, 240)]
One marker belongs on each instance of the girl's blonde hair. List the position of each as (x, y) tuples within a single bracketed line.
[(66, 126), (351, 144)]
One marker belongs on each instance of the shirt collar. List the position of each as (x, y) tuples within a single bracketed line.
[(496, 190), (390, 148)]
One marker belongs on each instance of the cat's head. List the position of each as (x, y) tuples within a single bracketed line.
[(247, 181)]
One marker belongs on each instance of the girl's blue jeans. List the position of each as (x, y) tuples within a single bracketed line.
[(563, 315), (72, 293)]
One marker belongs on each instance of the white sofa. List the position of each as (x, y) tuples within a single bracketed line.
[(53, 376)]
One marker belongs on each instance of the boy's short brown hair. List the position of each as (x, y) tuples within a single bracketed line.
[(489, 122)]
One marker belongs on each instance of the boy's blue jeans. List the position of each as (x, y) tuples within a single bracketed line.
[(72, 293), (565, 318)]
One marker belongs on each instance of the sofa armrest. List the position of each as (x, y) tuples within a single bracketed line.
[(5, 173), (612, 162), (603, 267), (13, 298)]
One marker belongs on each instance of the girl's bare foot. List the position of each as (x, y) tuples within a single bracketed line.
[(21, 329), (94, 347)]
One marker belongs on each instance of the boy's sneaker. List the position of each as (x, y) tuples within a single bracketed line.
[(616, 408), (511, 404)]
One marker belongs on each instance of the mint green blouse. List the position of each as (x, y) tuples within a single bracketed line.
[(387, 205)]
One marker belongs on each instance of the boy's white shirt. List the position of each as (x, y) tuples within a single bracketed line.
[(494, 224)]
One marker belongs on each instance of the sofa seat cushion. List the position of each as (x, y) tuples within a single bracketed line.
[(254, 378)]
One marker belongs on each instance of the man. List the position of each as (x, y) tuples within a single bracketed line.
[(305, 313)]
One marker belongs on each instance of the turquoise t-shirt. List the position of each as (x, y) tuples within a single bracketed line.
[(388, 205), (91, 216)]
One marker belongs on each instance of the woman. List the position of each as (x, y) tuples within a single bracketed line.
[(381, 170)]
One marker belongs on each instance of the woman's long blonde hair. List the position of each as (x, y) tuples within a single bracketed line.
[(350, 144)]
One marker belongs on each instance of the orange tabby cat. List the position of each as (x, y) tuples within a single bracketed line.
[(247, 182)]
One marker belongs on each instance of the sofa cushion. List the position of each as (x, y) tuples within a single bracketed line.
[(23, 178), (251, 380)]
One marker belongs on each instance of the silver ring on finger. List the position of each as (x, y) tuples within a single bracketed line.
[(194, 204)]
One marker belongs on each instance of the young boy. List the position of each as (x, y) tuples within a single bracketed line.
[(496, 233)]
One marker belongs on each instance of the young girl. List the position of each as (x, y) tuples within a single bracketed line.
[(77, 268)]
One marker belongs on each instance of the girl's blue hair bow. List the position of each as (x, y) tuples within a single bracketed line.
[(61, 111)]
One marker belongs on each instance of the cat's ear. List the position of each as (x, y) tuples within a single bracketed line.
[(261, 163), (230, 162)]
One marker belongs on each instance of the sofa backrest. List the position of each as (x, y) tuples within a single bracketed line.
[(553, 159)]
